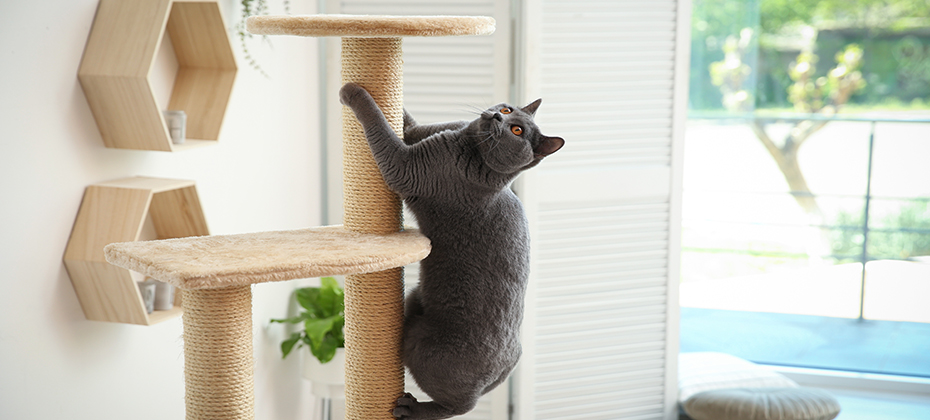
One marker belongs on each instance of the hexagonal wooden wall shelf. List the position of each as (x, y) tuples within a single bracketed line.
[(127, 210), (115, 72)]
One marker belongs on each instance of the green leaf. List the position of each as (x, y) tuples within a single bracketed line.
[(292, 320), (326, 350), (327, 301), (323, 319), (332, 299), (338, 332), (288, 345), (309, 298), (317, 329), (329, 283), (338, 303)]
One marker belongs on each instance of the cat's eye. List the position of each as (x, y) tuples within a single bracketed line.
[(516, 129), (506, 110)]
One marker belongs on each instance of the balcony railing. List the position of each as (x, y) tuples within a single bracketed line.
[(865, 228), (724, 187)]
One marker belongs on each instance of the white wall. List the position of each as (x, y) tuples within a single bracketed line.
[(263, 175)]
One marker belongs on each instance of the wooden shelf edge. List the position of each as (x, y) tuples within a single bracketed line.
[(157, 317), (209, 262), (190, 144), (119, 210), (156, 185), (115, 71)]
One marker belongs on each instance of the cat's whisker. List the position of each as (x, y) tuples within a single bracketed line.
[(473, 109), (494, 146), (487, 135)]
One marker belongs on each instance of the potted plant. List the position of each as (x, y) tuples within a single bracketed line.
[(323, 319)]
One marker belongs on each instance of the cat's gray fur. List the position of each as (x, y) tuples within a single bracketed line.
[(461, 328)]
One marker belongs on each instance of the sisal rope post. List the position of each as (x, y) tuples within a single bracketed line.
[(218, 365), (374, 302)]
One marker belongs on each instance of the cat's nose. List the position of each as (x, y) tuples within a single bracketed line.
[(498, 116)]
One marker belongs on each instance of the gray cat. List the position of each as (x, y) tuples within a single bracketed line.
[(461, 326)]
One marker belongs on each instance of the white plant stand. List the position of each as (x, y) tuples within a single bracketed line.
[(328, 381)]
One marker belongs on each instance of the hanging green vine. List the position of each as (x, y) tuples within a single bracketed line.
[(254, 8)]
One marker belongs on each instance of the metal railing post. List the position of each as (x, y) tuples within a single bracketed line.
[(865, 222)]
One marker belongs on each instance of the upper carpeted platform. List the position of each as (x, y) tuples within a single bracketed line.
[(369, 26)]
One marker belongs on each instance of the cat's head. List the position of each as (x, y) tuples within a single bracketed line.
[(509, 141)]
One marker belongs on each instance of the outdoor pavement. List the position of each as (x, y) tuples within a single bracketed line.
[(894, 291)]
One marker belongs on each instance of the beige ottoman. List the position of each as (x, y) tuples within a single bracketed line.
[(718, 386)]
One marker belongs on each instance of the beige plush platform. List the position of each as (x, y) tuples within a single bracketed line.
[(370, 26), (207, 262)]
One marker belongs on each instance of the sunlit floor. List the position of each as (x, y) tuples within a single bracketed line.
[(858, 405)]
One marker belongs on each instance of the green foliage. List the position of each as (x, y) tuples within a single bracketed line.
[(891, 14), (826, 93), (913, 59), (891, 33), (253, 8), (713, 21), (323, 319), (899, 235), (732, 73), (721, 18), (775, 15), (846, 238), (808, 93)]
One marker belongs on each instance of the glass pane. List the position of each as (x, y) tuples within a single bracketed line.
[(806, 209)]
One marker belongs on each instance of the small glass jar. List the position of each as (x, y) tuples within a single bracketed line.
[(177, 125)]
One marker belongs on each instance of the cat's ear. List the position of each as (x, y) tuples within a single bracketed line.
[(531, 108), (548, 146)]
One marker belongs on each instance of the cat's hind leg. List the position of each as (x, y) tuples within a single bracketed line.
[(408, 408), (413, 305), (504, 375)]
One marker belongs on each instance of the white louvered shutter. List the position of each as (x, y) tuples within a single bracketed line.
[(445, 79), (601, 337)]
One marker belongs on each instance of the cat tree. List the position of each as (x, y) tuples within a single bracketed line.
[(215, 273)]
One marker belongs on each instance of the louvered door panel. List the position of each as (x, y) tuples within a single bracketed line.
[(606, 76), (601, 310), (603, 212), (449, 78)]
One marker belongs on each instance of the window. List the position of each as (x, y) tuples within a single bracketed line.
[(805, 160)]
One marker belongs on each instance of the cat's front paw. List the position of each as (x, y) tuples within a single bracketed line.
[(405, 405), (351, 93)]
